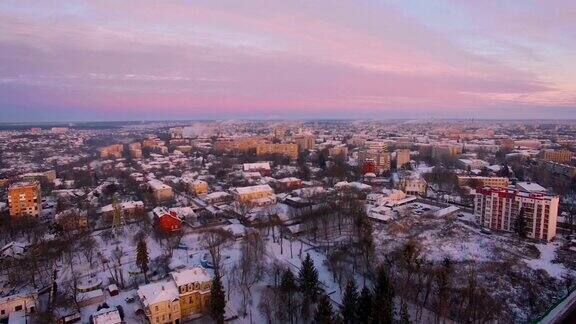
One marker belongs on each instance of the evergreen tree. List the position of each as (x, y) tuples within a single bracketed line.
[(323, 311), (383, 298), (520, 224), (142, 258), (349, 308), (504, 171), (364, 309), (308, 279), (322, 161), (404, 316), (288, 289), (217, 300)]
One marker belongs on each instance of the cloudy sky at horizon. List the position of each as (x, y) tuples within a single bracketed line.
[(136, 60)]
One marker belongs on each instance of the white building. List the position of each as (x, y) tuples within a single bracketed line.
[(498, 209)]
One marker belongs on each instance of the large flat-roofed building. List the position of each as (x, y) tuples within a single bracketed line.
[(25, 198), (439, 151), (287, 149), (494, 182), (111, 151), (380, 159), (239, 144), (558, 156), (305, 142), (560, 169), (498, 208)]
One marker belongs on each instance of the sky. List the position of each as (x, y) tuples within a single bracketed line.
[(267, 59)]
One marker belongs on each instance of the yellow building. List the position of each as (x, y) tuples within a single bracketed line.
[(494, 182), (184, 296), (558, 156), (194, 291), (199, 187), (261, 195), (25, 198), (402, 158), (305, 142), (290, 150), (114, 150), (161, 302)]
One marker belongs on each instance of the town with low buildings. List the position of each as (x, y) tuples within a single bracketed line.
[(269, 221)]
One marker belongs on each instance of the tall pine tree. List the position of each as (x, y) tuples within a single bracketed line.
[(520, 225), (308, 280), (324, 313), (288, 289), (349, 308), (364, 310), (142, 258), (217, 300), (383, 298)]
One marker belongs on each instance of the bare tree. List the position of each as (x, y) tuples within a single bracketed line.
[(89, 246), (214, 240)]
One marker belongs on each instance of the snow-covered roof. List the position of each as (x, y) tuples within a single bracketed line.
[(126, 205), (288, 180), (252, 189), (157, 292), (256, 166), (530, 187), (187, 276), (157, 185), (447, 211), (107, 316)]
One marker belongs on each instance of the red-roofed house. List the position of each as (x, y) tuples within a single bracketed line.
[(167, 220)]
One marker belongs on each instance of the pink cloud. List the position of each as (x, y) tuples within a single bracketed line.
[(253, 57)]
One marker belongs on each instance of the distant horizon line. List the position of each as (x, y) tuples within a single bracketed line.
[(60, 122)]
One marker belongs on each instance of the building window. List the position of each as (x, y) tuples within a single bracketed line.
[(18, 308)]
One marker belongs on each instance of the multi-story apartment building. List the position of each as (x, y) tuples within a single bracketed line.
[(161, 302), (439, 151), (239, 144), (560, 169), (558, 156), (135, 150), (287, 149), (114, 151), (402, 158), (260, 195), (305, 142), (47, 176), (494, 182), (498, 208), (380, 159), (25, 198), (194, 291)]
